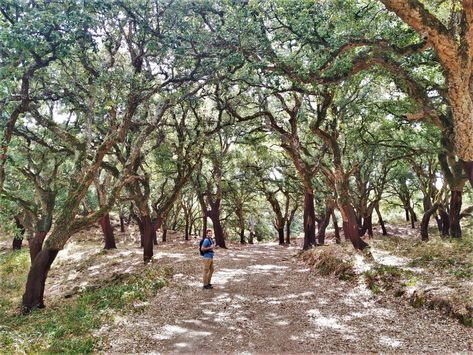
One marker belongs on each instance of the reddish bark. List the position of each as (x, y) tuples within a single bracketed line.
[(454, 214), (34, 292), (350, 226), (107, 230), (36, 244), (309, 220), (147, 239)]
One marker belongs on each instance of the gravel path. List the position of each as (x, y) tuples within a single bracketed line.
[(266, 301)]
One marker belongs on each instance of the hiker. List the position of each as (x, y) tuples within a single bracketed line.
[(207, 252)]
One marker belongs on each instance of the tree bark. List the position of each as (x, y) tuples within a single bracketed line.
[(309, 220), (380, 220), (34, 292), (122, 223), (214, 214), (350, 226), (413, 217), (367, 226), (242, 236), (288, 232), (16, 245), (281, 235), (454, 214), (107, 230), (36, 244), (337, 229), (323, 225), (250, 238), (147, 239), (445, 223), (424, 225), (407, 214)]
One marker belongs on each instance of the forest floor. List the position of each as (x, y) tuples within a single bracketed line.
[(265, 299)]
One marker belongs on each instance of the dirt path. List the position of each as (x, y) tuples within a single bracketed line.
[(266, 301)]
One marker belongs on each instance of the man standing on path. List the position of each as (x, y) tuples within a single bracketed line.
[(208, 255)]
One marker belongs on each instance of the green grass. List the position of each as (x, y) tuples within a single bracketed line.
[(67, 327)]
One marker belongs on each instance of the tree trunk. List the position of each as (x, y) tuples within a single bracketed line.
[(154, 234), (186, 232), (445, 223), (164, 236), (309, 220), (204, 224), (380, 220), (242, 236), (214, 214), (454, 214), (335, 226), (281, 235), (424, 225), (407, 214), (367, 226), (250, 238), (36, 244), (350, 226), (323, 225), (147, 239), (413, 217), (288, 232), (34, 292), (107, 231), (18, 239), (16, 245), (122, 223)]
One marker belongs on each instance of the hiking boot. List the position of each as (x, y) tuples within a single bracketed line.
[(207, 287)]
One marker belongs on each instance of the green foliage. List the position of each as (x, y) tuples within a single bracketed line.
[(68, 326)]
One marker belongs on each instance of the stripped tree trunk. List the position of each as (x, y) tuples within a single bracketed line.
[(107, 232), (34, 293), (309, 219)]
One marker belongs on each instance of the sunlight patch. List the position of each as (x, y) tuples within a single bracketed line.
[(267, 267), (387, 341)]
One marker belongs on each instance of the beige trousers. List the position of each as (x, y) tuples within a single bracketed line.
[(208, 270)]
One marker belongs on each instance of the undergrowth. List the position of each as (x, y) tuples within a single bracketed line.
[(449, 256), (330, 260), (69, 326)]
